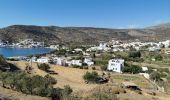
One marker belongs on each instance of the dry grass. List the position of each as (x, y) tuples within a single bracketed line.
[(66, 76), (73, 77), (17, 95), (137, 79)]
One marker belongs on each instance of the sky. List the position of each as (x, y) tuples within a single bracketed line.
[(85, 13)]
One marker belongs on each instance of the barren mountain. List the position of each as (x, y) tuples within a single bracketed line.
[(82, 35)]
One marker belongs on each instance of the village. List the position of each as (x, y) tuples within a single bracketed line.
[(27, 43), (148, 59)]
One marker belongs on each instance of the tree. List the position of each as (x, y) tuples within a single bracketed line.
[(91, 77), (158, 57), (104, 67), (50, 79), (2, 60), (155, 76), (132, 69), (44, 67), (67, 90), (134, 54)]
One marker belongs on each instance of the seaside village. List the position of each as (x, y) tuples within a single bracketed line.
[(85, 55), (27, 43), (112, 56)]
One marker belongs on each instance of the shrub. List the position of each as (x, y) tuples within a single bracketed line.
[(158, 57), (93, 68), (24, 83), (163, 74), (134, 54), (2, 60), (155, 76), (44, 67), (67, 90), (81, 67), (91, 77), (132, 69), (104, 67), (85, 67), (50, 79), (76, 66)]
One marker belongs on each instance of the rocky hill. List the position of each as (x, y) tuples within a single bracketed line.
[(81, 35)]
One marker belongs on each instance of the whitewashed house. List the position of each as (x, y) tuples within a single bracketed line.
[(54, 47), (59, 61), (166, 43), (116, 65), (76, 62), (78, 50), (43, 60), (88, 61), (33, 59), (151, 49)]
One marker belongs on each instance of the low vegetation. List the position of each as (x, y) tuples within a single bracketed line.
[(34, 85), (91, 77), (44, 67), (132, 69)]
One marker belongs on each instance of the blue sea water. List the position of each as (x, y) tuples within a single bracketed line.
[(12, 52)]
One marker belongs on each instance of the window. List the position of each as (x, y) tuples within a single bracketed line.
[(112, 64)]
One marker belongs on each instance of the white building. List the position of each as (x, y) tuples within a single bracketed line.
[(43, 60), (116, 65), (76, 62), (54, 47), (166, 43), (88, 61), (33, 59), (59, 61), (151, 49)]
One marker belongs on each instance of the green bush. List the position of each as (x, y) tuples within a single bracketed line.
[(134, 54), (44, 67), (2, 60), (104, 67), (81, 67), (155, 76), (50, 79), (132, 69), (85, 67), (93, 68), (91, 77), (76, 66), (67, 90), (22, 82), (158, 57)]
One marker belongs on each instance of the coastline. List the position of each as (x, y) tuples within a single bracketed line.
[(22, 52)]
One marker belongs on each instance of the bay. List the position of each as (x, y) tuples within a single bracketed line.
[(12, 52)]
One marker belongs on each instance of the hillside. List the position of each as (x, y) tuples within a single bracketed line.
[(3, 64), (81, 35)]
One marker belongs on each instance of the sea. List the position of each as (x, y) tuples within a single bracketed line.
[(13, 52)]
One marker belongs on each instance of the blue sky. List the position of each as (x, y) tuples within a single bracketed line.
[(85, 13)]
